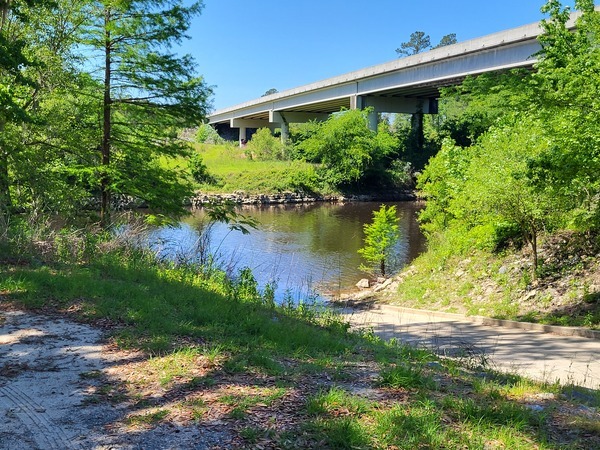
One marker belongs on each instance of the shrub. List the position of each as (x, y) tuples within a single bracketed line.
[(265, 146), (199, 170), (208, 135), (381, 237)]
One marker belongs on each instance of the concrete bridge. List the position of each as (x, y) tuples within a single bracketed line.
[(408, 85)]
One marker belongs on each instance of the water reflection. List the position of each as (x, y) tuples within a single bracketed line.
[(301, 248)]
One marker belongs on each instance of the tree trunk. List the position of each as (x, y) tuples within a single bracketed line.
[(106, 124), (534, 248), (416, 122), (5, 198), (531, 239)]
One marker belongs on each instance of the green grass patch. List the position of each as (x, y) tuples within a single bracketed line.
[(406, 377), (337, 401), (232, 171), (417, 426), (344, 433), (147, 419), (241, 403)]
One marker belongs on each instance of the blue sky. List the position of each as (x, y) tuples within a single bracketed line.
[(245, 47)]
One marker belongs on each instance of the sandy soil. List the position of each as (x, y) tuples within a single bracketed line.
[(50, 369)]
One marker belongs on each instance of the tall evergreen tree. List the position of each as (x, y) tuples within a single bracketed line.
[(149, 93)]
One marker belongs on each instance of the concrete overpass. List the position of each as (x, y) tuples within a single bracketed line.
[(407, 85)]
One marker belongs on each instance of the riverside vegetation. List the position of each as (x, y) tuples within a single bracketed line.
[(512, 214), (516, 170)]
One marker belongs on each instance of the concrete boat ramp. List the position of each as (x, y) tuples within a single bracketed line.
[(570, 356)]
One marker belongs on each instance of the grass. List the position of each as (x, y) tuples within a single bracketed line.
[(336, 401), (281, 377), (241, 403), (501, 286), (405, 377), (147, 419), (234, 171)]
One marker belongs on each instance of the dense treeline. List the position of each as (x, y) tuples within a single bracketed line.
[(531, 163), (91, 98)]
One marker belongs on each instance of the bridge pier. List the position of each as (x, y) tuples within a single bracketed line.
[(243, 136), (244, 124)]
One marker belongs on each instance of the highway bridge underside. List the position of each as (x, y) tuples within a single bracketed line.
[(423, 101)]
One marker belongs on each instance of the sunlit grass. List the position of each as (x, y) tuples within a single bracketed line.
[(234, 171), (337, 401), (147, 418), (241, 403)]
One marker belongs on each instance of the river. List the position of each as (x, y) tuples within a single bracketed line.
[(304, 249)]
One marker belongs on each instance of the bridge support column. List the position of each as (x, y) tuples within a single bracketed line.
[(416, 122), (285, 132), (373, 116), (243, 136), (283, 121)]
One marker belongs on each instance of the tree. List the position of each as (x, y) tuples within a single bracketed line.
[(420, 42), (567, 100), (37, 85), (381, 238), (498, 194), (148, 94), (265, 146), (346, 147), (448, 39), (535, 167), (270, 92), (14, 86)]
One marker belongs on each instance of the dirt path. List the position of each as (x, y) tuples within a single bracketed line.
[(534, 354), (50, 371)]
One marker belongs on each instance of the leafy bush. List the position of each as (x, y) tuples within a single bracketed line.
[(199, 170), (400, 173), (208, 135), (346, 147), (265, 146)]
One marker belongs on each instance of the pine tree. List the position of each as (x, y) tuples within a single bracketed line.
[(149, 93), (381, 237)]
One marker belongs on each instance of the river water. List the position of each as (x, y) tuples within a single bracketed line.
[(304, 249)]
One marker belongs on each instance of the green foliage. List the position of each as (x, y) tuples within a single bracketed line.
[(265, 146), (346, 147), (400, 173), (530, 160), (440, 182), (420, 42), (37, 87), (199, 170), (206, 134), (381, 239), (568, 103), (55, 154)]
